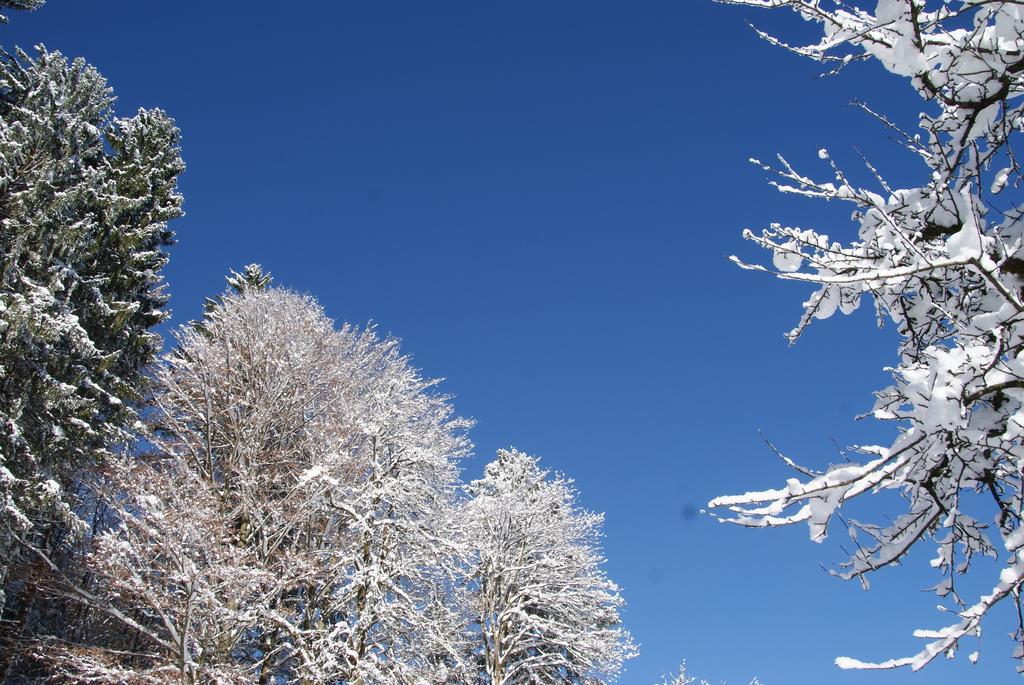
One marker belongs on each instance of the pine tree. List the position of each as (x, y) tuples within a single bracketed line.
[(19, 5), (85, 198), (251, 279)]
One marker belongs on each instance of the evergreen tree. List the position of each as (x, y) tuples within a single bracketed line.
[(85, 198), (252, 279), (19, 5)]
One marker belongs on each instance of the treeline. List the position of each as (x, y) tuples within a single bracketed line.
[(275, 500)]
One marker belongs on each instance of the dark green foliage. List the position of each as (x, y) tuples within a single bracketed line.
[(19, 5), (84, 204), (252, 279)]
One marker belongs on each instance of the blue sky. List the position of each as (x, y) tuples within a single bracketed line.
[(539, 199)]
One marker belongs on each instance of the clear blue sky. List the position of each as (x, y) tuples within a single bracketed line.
[(539, 198)]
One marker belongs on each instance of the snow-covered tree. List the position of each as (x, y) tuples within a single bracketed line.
[(392, 604), (171, 596), (254, 399), (19, 5), (943, 261), (84, 203), (295, 524), (545, 610), (682, 677), (251, 279)]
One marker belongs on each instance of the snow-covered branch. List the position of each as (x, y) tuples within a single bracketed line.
[(943, 261)]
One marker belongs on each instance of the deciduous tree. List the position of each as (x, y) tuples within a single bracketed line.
[(293, 522), (547, 613), (942, 261)]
